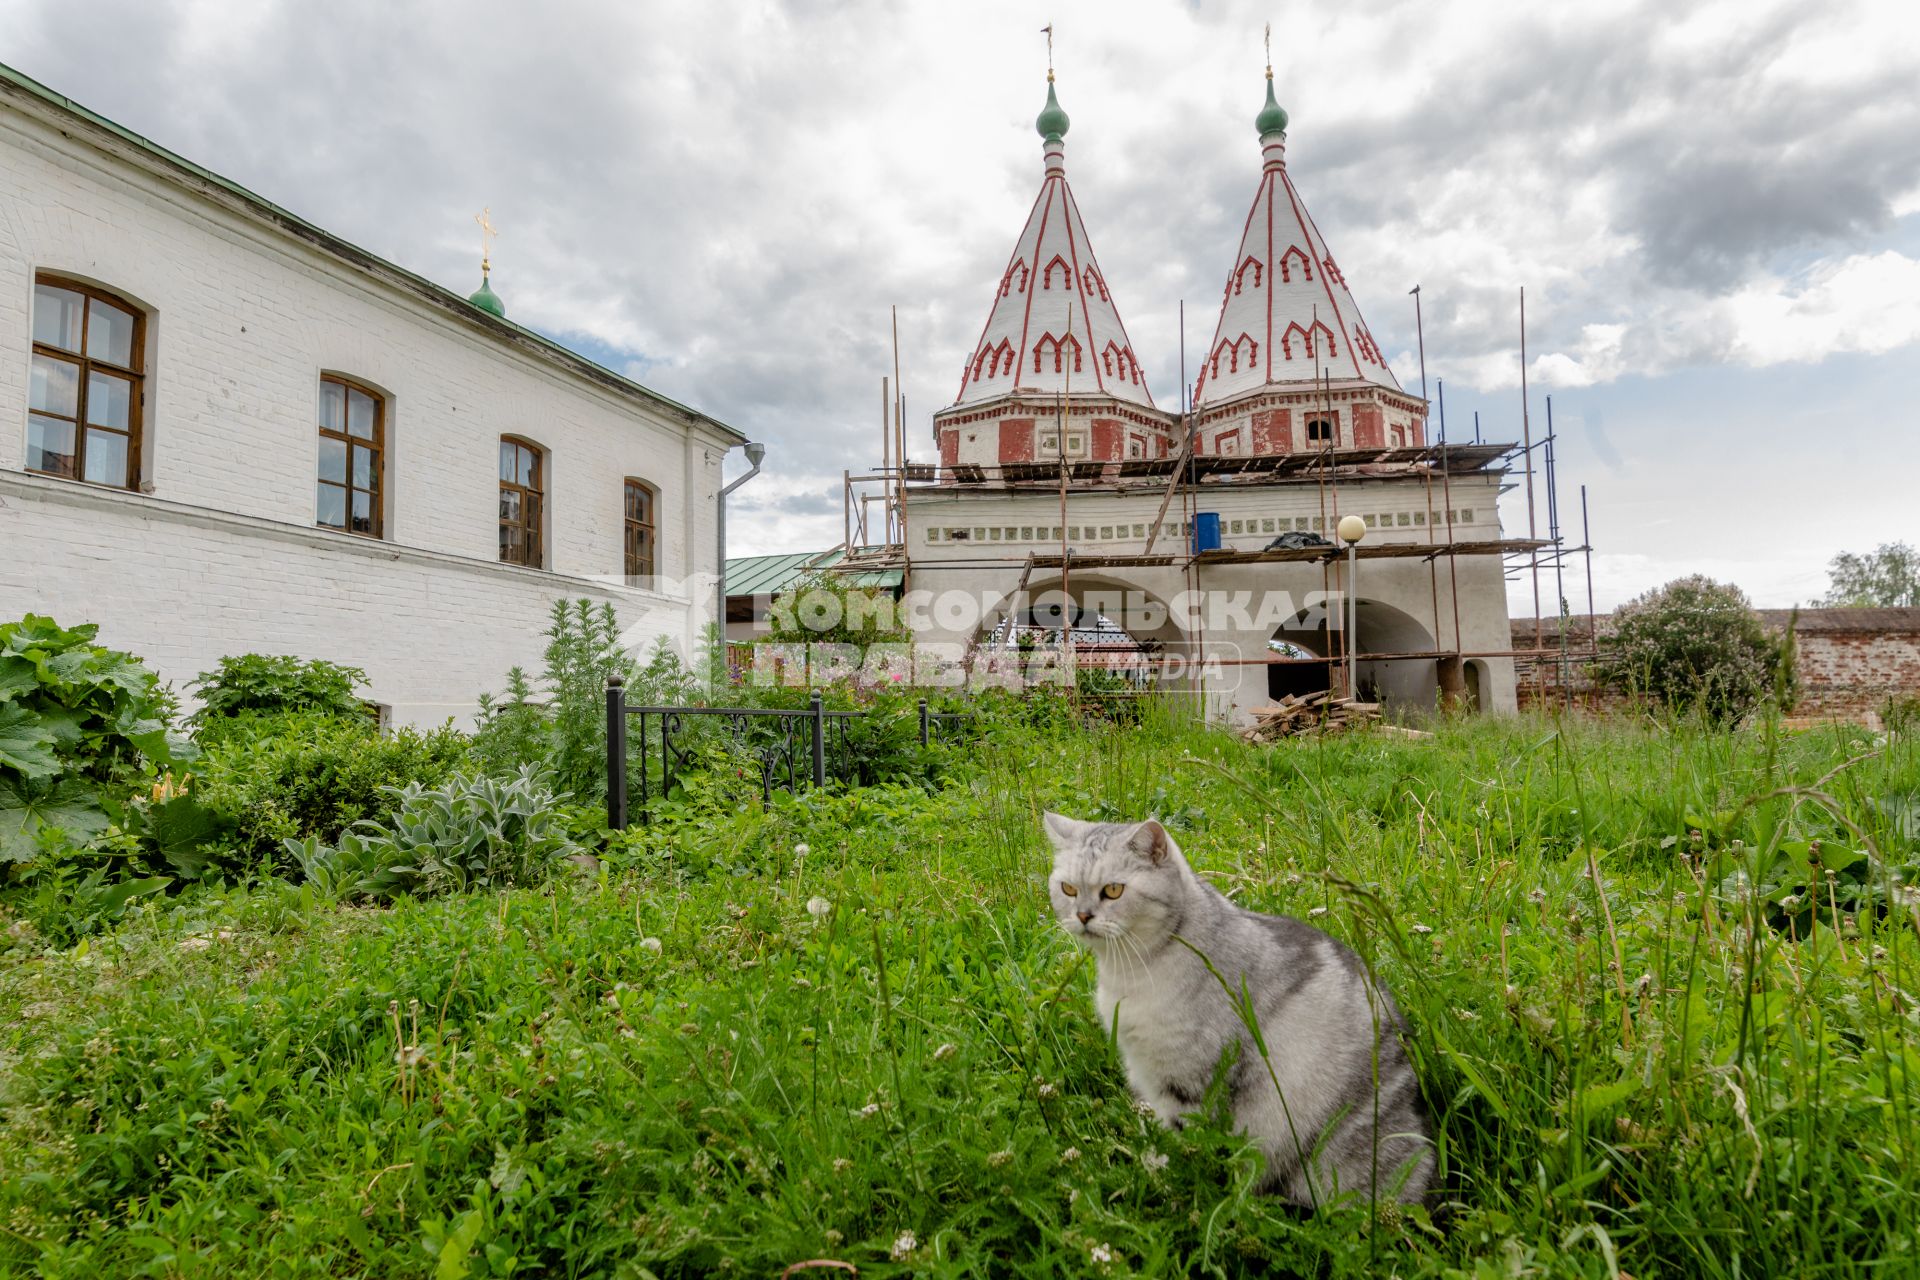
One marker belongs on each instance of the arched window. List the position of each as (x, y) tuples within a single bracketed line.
[(642, 515), (353, 458), (523, 484), (83, 414)]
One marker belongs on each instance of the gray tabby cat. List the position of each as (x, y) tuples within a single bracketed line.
[(1124, 891)]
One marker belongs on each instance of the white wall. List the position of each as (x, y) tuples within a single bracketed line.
[(986, 563), (243, 319)]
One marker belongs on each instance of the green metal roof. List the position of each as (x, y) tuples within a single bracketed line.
[(355, 256), (771, 575)]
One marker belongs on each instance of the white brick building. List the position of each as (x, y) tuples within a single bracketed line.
[(225, 381)]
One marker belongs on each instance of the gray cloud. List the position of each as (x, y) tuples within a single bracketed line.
[(735, 195)]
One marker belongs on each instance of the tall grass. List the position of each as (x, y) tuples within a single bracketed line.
[(1638, 1059)]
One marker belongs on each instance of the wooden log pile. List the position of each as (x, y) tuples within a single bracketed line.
[(1311, 713)]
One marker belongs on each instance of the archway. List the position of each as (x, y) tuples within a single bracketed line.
[(1112, 626), (1396, 678)]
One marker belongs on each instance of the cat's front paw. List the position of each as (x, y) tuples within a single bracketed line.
[(1162, 1107)]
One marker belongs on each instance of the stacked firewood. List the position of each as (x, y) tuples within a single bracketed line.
[(1321, 712)]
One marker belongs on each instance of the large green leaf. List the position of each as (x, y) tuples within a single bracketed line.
[(180, 829), (71, 805), (26, 744), (17, 676)]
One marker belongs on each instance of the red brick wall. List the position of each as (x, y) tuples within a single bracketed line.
[(1369, 427), (1016, 440), (949, 446), (1109, 440), (1273, 431), (1852, 662)]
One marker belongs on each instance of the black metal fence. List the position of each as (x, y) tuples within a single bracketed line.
[(791, 747)]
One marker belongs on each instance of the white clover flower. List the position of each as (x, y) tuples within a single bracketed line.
[(1154, 1161), (1000, 1159), (945, 1051), (1100, 1253), (1047, 1090), (1069, 1155), (868, 1112), (650, 944), (904, 1245), (842, 1165), (818, 907), (1421, 928)]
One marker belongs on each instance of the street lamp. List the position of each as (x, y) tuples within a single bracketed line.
[(755, 452), (1351, 530)]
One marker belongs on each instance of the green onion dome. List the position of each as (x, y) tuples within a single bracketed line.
[(486, 299), (1052, 122), (1272, 119)]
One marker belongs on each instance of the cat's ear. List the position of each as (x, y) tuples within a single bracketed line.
[(1060, 828), (1151, 841)]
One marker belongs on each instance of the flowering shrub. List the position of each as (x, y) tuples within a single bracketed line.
[(1692, 645)]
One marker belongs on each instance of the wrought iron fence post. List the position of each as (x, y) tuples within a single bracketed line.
[(819, 741), (923, 722), (616, 753)]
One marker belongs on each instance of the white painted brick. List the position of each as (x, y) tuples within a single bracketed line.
[(229, 424)]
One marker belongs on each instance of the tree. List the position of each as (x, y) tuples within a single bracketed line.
[(1886, 578), (1692, 645)]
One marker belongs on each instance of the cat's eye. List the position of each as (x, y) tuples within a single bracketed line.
[(1069, 890), (1112, 891)]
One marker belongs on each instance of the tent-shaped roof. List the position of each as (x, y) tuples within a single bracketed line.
[(1053, 326), (1287, 315)]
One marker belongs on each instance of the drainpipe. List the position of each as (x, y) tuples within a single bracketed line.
[(755, 452)]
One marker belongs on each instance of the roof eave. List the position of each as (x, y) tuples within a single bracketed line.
[(232, 195)]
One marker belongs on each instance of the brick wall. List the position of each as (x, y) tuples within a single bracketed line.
[(243, 319), (1852, 661)]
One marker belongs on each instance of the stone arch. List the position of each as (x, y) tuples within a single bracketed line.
[(1401, 681), (1116, 624)]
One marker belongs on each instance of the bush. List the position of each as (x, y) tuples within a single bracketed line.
[(287, 777), (1692, 645), (473, 832), (78, 721), (276, 684), (561, 726)]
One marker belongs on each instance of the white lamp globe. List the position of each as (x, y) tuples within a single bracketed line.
[(1352, 529)]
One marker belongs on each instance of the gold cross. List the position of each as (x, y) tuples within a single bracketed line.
[(1048, 29), (488, 233), (1269, 40)]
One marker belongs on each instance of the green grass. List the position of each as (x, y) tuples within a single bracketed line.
[(1630, 1068)]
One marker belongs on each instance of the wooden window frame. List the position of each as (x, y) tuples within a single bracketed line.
[(635, 568), (136, 373), (377, 495), (533, 507)]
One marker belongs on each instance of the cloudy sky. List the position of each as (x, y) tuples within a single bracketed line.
[(1715, 210)]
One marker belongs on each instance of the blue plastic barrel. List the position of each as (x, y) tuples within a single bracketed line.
[(1206, 531)]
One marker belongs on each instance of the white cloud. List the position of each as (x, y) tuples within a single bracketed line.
[(1864, 302)]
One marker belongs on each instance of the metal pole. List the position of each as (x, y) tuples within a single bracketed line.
[(616, 753), (755, 452), (1420, 328), (1353, 619), (923, 722), (819, 740)]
